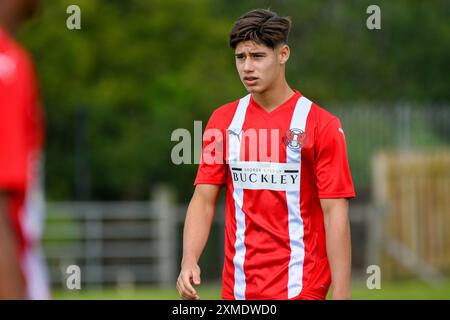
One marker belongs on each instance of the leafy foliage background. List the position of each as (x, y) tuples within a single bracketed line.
[(115, 90)]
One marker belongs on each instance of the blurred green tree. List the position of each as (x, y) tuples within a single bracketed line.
[(116, 89)]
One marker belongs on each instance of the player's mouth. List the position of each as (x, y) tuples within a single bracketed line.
[(250, 81)]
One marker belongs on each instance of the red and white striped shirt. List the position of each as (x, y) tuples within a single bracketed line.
[(276, 167)]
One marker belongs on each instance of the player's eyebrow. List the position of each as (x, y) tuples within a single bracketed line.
[(240, 54)]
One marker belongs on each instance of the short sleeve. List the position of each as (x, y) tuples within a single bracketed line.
[(212, 168), (13, 135), (331, 164)]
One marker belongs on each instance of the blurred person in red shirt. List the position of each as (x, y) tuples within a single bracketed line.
[(23, 273)]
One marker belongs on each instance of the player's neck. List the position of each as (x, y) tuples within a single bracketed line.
[(270, 99)]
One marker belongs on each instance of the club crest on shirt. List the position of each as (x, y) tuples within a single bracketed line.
[(294, 138)]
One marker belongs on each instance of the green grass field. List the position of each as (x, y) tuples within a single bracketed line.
[(409, 290)]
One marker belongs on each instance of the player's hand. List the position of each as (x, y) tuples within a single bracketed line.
[(190, 273)]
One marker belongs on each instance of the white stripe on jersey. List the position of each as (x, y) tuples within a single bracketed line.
[(33, 260), (295, 221), (234, 135)]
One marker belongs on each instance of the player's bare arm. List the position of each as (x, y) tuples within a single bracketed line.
[(337, 230), (11, 286), (197, 226)]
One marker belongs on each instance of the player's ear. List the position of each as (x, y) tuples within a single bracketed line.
[(283, 53)]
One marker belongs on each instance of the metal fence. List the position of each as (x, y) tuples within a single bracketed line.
[(113, 243), (370, 129)]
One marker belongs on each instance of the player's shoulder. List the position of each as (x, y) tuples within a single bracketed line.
[(228, 108), (11, 48), (321, 116), (223, 115), (13, 57), (323, 123)]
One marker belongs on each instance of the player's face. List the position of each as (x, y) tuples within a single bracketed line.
[(259, 66)]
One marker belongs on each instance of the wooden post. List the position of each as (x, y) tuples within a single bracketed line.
[(415, 186)]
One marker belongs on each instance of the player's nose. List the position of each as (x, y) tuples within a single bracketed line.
[(248, 65)]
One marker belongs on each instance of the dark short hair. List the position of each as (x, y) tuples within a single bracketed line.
[(261, 26)]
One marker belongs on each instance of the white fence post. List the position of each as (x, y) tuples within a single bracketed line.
[(166, 211)]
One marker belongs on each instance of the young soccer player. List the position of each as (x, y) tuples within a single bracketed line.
[(283, 162), (22, 272)]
